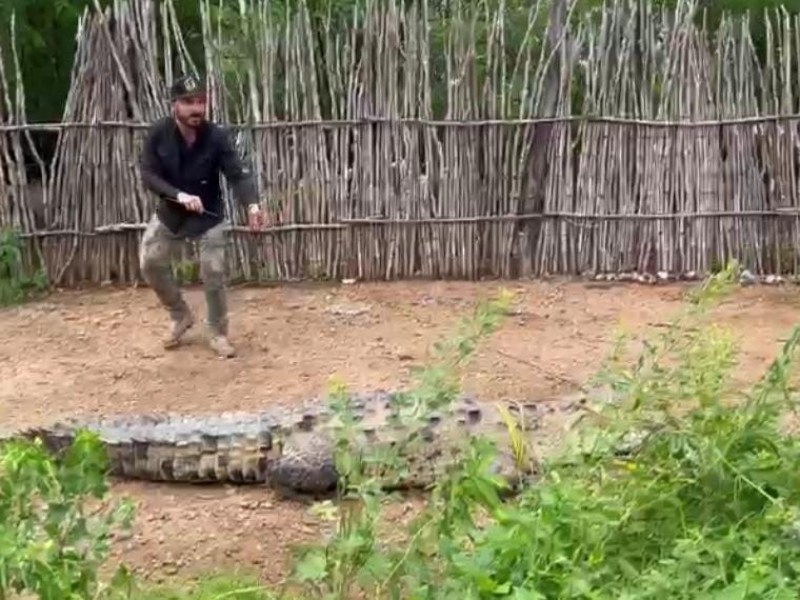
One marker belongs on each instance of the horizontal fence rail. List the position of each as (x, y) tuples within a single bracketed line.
[(534, 169), (348, 223), (447, 123)]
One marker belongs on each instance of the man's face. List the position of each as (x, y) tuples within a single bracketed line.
[(190, 111)]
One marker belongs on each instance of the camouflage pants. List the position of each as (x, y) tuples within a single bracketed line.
[(155, 260)]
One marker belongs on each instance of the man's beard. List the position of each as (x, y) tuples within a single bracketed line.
[(193, 121)]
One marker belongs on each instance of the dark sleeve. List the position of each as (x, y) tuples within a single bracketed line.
[(238, 176), (151, 168)]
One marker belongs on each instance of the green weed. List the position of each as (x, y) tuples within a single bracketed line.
[(354, 558), (54, 530), (15, 285), (208, 588), (186, 271)]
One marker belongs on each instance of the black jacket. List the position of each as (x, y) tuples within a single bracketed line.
[(169, 166)]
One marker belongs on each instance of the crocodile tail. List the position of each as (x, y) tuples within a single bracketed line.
[(234, 458)]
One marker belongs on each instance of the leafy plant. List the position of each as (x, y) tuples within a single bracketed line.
[(15, 284), (186, 271), (208, 588), (353, 556), (54, 530)]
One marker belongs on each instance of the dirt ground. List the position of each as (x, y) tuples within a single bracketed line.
[(99, 352)]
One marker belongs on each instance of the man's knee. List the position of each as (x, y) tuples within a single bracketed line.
[(154, 257), (155, 249), (213, 257), (212, 268)]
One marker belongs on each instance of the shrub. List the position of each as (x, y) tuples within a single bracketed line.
[(15, 284), (55, 527)]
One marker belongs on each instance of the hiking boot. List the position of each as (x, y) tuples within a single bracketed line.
[(179, 328), (220, 344)]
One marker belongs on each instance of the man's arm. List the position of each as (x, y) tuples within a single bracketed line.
[(151, 169), (240, 178)]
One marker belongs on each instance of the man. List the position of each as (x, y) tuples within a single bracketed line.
[(181, 161)]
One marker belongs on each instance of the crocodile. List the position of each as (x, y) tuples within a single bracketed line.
[(291, 448)]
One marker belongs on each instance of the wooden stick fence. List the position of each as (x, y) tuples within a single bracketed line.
[(639, 142)]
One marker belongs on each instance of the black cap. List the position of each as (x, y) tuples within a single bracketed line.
[(186, 86)]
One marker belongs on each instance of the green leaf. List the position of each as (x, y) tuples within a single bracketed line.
[(735, 591), (312, 567)]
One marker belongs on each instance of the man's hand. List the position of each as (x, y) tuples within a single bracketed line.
[(192, 203), (255, 217)]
